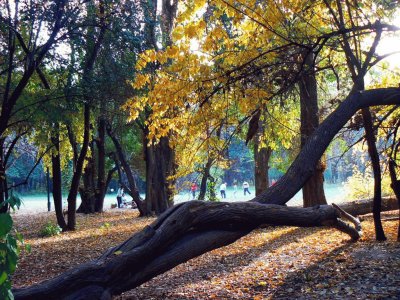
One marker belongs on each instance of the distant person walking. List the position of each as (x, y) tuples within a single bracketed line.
[(246, 188), (222, 190), (193, 189), (120, 194)]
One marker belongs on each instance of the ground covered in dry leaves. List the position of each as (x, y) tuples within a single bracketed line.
[(269, 263)]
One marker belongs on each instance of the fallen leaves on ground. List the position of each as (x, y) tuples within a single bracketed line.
[(269, 263)]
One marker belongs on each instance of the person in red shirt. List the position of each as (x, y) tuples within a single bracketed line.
[(193, 189)]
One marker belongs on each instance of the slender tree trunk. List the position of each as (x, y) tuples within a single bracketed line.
[(73, 192), (373, 153), (395, 185), (101, 165), (204, 178), (3, 182), (313, 190), (132, 189), (74, 145), (57, 183)]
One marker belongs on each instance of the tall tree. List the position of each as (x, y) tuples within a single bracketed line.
[(23, 53), (359, 62), (313, 190)]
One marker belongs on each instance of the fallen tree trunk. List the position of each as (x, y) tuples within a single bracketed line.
[(362, 207), (184, 232), (188, 230)]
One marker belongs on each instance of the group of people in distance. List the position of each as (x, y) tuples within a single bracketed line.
[(222, 189), (121, 200)]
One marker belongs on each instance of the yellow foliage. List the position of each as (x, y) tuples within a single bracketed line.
[(201, 80)]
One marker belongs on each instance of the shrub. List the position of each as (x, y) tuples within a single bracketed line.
[(361, 185), (50, 229)]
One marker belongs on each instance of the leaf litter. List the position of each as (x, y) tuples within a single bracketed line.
[(269, 263)]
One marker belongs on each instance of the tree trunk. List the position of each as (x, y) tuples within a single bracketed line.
[(73, 192), (204, 178), (395, 185), (94, 179), (313, 190), (3, 182), (88, 190), (92, 51), (101, 165), (159, 166), (261, 160), (373, 153), (57, 183), (132, 189), (193, 228)]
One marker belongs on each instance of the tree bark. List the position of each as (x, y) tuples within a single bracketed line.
[(101, 165), (88, 190), (204, 178), (376, 168), (193, 228), (73, 191), (159, 166), (3, 185), (313, 189), (395, 185), (261, 160), (57, 184)]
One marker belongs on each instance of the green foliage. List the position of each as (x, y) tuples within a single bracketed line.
[(9, 248), (50, 229)]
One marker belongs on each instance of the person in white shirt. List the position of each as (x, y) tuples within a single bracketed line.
[(120, 194), (246, 188), (222, 190)]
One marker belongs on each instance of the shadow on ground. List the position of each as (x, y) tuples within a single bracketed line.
[(214, 265)]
